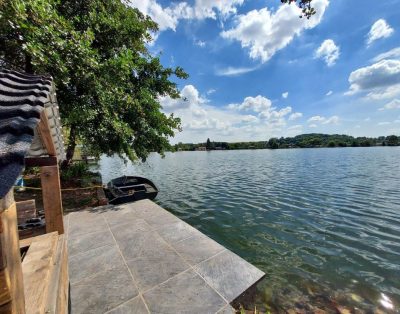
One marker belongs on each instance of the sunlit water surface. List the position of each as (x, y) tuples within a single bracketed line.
[(322, 223)]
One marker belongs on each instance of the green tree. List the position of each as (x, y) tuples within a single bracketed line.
[(273, 143), (208, 144), (108, 84), (392, 140)]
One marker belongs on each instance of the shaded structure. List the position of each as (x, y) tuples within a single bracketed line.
[(139, 258), (31, 135)]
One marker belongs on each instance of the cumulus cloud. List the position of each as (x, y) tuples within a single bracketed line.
[(264, 32), (391, 54), (381, 79), (323, 120), (285, 95), (295, 116), (256, 104), (232, 71), (394, 104), (168, 17), (328, 51), (255, 118), (189, 97), (380, 29)]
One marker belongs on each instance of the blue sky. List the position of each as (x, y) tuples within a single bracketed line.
[(258, 71)]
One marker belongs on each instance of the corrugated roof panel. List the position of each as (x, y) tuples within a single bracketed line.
[(22, 99)]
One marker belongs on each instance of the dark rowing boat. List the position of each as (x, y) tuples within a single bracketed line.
[(129, 189)]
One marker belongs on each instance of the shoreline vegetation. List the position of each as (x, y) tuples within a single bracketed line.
[(313, 140)]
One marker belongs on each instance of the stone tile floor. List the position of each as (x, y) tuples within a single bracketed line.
[(139, 258)]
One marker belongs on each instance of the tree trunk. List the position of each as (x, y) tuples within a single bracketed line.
[(70, 148)]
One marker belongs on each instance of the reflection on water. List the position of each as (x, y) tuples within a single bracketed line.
[(322, 223)]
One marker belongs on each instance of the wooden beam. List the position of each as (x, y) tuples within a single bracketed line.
[(45, 134), (12, 298), (41, 161), (51, 191)]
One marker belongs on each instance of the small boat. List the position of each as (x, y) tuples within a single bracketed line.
[(129, 189)]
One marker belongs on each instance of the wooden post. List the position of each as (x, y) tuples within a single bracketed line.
[(52, 203), (12, 299)]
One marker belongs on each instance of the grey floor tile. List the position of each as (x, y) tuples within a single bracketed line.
[(134, 306), (65, 222), (185, 293), (229, 274), (102, 292), (94, 261), (151, 270), (161, 219), (89, 241), (227, 309), (197, 248), (82, 223), (121, 215), (177, 231), (141, 244), (129, 230)]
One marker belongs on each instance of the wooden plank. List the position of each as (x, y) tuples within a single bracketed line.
[(57, 301), (45, 134), (41, 161), (37, 267), (26, 210), (11, 283), (51, 190), (24, 243)]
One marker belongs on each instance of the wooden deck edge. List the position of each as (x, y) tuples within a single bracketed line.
[(45, 270)]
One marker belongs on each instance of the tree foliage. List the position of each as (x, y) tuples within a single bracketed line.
[(313, 140), (107, 81), (305, 5)]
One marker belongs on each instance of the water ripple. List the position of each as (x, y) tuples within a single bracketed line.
[(328, 216)]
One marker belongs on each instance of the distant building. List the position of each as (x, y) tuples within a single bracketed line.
[(201, 148)]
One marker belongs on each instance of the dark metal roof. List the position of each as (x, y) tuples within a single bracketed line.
[(22, 99)]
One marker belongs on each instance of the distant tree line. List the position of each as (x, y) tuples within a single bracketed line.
[(313, 140)]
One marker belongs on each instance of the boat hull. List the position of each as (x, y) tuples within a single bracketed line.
[(130, 189)]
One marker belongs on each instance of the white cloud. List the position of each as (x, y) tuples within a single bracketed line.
[(253, 119), (256, 104), (164, 17), (285, 95), (381, 79), (328, 51), (168, 17), (200, 43), (394, 104), (329, 93), (391, 54), (265, 32), (189, 97), (295, 115), (383, 123), (331, 120), (231, 71), (322, 120), (249, 118), (380, 29), (316, 119), (211, 91), (313, 126)]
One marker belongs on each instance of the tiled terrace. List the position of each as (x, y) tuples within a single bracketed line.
[(139, 258)]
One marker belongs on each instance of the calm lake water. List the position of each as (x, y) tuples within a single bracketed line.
[(324, 224)]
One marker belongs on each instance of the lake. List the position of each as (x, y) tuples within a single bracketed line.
[(324, 224)]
